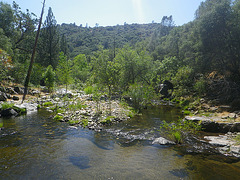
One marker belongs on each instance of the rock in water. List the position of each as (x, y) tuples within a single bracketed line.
[(163, 141), (8, 112)]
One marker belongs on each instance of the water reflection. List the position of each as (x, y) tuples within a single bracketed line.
[(35, 147), (80, 161)]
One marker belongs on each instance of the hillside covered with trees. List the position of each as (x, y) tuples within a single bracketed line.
[(201, 58)]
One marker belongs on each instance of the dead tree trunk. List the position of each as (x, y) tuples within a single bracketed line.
[(33, 54)]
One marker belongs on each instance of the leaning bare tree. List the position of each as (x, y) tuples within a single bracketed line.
[(33, 54)]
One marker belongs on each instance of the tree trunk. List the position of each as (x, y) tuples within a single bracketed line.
[(33, 54)]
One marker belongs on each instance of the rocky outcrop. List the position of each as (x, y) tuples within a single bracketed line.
[(215, 124), (225, 144)]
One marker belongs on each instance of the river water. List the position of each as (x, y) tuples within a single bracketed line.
[(36, 147)]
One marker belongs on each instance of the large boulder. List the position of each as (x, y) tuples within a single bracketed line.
[(8, 112), (11, 91), (19, 90), (3, 96), (165, 87)]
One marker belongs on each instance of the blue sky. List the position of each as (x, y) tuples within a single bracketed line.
[(113, 12)]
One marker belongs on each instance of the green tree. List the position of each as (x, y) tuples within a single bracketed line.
[(64, 71), (49, 77), (135, 66), (48, 49), (106, 72), (7, 19), (80, 68)]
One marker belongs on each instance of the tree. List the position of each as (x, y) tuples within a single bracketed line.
[(63, 45), (80, 68), (48, 50), (49, 77), (7, 19), (63, 70), (106, 72), (135, 66)]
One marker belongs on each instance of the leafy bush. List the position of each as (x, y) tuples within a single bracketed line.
[(6, 105), (179, 130), (108, 120), (49, 77), (84, 122), (76, 106), (88, 90), (58, 118), (47, 104), (200, 86), (73, 122), (140, 95)]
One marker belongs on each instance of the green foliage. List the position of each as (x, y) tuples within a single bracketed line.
[(58, 118), (237, 139), (200, 86), (179, 130), (63, 70), (47, 104), (73, 122), (140, 95), (108, 120), (76, 106), (20, 111), (80, 68), (5, 64), (88, 90), (84, 122), (48, 45), (6, 105), (49, 77)]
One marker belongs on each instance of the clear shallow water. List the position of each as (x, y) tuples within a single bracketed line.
[(35, 147)]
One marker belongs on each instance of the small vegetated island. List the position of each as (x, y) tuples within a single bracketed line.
[(97, 76)]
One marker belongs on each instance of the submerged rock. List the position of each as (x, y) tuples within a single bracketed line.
[(163, 141)]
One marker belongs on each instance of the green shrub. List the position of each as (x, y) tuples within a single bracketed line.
[(237, 139), (20, 111), (73, 122), (108, 120), (88, 90), (47, 104), (49, 77), (140, 95), (200, 86), (6, 105), (179, 130), (58, 118), (84, 123), (76, 106)]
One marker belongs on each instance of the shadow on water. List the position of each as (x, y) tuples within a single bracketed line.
[(82, 162), (180, 173)]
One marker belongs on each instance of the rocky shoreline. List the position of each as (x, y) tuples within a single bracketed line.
[(80, 109), (224, 142)]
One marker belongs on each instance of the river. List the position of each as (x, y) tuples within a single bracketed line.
[(36, 147)]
